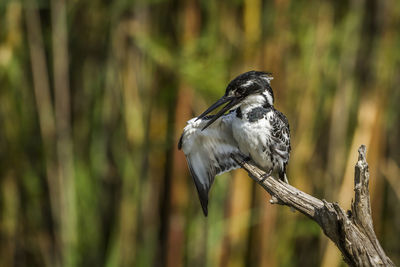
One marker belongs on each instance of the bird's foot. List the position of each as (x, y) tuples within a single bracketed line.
[(245, 160), (265, 175)]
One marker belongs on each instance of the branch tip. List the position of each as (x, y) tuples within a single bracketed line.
[(362, 150)]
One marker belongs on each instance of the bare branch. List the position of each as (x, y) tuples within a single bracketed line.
[(351, 231)]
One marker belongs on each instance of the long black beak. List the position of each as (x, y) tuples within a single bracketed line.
[(221, 101)]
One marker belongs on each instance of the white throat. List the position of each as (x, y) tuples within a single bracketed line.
[(258, 100)]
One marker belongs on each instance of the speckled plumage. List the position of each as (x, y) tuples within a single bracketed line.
[(253, 128)]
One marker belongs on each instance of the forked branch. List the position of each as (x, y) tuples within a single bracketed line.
[(351, 231)]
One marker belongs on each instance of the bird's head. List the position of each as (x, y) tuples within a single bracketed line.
[(249, 87)]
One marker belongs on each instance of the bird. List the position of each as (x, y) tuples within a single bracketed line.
[(248, 126)]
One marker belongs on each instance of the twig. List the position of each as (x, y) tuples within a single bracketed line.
[(352, 232)]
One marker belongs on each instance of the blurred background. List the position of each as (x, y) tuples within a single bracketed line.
[(94, 96)]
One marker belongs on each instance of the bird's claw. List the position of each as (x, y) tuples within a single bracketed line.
[(265, 176), (245, 160)]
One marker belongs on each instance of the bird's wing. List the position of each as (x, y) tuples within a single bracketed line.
[(208, 152), (280, 135)]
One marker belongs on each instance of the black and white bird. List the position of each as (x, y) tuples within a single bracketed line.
[(252, 128)]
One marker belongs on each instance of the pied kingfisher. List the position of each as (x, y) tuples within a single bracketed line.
[(253, 129)]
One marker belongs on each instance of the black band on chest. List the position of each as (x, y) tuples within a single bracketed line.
[(257, 113)]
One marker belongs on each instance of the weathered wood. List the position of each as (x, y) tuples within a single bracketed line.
[(351, 231)]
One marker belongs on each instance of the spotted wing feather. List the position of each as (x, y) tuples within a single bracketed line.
[(208, 152), (280, 135)]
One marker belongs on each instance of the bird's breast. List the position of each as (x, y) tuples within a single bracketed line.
[(252, 133)]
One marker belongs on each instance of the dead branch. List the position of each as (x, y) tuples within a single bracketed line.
[(351, 231)]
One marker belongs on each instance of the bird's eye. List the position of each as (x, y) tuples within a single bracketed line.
[(240, 90)]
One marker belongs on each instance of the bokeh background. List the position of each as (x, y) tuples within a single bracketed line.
[(94, 95)]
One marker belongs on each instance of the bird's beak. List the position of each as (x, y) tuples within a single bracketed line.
[(221, 101)]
